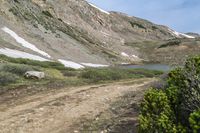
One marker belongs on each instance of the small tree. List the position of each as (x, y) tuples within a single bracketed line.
[(195, 121), (177, 107), (156, 114), (184, 89)]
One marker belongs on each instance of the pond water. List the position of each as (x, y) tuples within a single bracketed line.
[(160, 67)]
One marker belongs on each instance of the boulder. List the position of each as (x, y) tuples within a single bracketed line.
[(34, 75)]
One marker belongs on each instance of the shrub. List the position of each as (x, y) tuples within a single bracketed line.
[(45, 64), (156, 114), (185, 83), (70, 73), (97, 75), (195, 121), (52, 73), (102, 74), (16, 69), (144, 72), (7, 78), (181, 97)]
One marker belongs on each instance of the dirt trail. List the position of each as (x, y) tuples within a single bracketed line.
[(56, 111)]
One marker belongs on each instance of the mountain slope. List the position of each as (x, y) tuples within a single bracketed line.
[(74, 31)]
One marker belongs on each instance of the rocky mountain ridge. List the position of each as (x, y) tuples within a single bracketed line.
[(75, 32)]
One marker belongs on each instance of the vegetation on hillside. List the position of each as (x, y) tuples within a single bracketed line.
[(174, 42), (175, 107), (13, 70), (105, 74), (45, 64)]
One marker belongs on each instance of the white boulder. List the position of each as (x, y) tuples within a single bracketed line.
[(34, 75)]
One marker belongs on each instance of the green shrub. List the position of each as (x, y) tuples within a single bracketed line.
[(185, 83), (144, 72), (45, 64), (7, 78), (52, 73), (16, 68), (69, 73), (156, 114), (181, 99), (97, 75), (102, 74), (195, 121)]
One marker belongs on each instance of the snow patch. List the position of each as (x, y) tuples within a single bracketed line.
[(135, 56), (24, 43), (99, 9), (124, 54), (94, 65), (70, 64), (187, 36), (124, 63), (177, 34), (19, 54)]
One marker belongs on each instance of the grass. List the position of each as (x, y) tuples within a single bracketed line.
[(16, 68), (7, 78), (53, 73), (144, 44), (58, 75), (113, 74), (45, 64)]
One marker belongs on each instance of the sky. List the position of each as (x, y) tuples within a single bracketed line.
[(180, 15)]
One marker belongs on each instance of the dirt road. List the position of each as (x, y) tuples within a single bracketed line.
[(57, 111)]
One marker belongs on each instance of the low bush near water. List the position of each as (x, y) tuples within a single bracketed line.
[(180, 111), (102, 74)]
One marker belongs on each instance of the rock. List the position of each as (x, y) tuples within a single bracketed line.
[(34, 75)]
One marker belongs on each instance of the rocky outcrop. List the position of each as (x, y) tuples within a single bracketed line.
[(34, 75)]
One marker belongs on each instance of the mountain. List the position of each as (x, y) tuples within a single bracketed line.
[(193, 34), (77, 33)]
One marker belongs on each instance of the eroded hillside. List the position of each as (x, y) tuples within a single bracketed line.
[(75, 32)]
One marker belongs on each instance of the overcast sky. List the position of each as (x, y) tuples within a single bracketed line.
[(181, 15)]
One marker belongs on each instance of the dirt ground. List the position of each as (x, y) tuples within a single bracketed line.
[(59, 111)]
